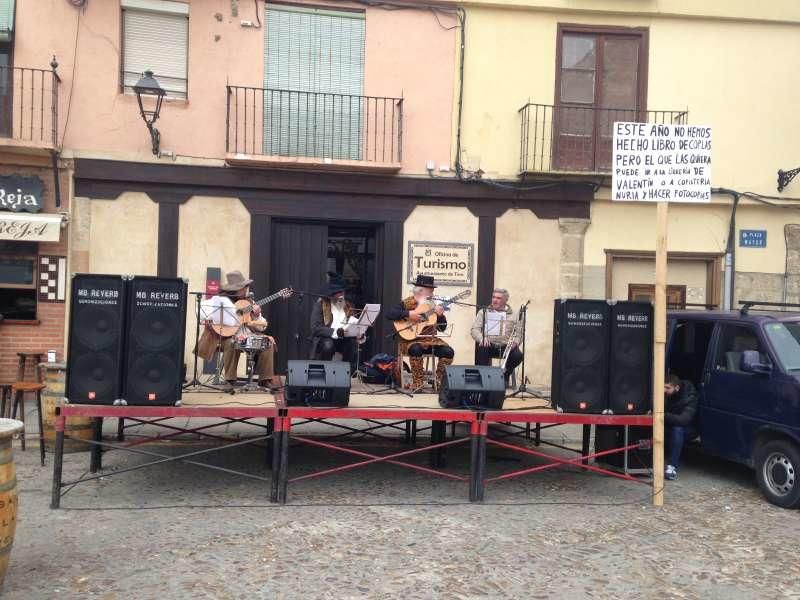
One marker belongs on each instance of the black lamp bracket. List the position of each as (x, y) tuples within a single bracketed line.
[(785, 177)]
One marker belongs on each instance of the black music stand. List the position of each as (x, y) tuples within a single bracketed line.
[(195, 382)]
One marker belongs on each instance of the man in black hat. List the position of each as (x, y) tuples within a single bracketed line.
[(328, 318), (410, 308)]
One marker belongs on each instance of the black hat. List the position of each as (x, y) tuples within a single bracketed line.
[(336, 284), (425, 281)]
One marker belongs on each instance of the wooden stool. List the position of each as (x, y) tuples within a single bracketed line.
[(22, 364), (19, 389)]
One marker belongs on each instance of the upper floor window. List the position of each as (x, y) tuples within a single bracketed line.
[(6, 20), (155, 36), (314, 81), (601, 78)]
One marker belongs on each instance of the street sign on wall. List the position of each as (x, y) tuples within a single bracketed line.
[(752, 238)]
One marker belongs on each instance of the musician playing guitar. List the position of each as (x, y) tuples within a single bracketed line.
[(413, 309), (220, 310)]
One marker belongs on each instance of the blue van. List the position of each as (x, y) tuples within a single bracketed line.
[(746, 368)]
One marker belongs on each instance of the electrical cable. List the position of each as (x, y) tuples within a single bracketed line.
[(258, 13), (72, 79)]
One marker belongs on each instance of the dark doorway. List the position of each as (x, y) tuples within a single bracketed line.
[(302, 254)]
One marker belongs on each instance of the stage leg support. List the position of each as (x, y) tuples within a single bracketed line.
[(120, 430), (270, 455), (438, 458), (96, 451), (477, 472), (587, 434), (58, 461), (280, 459)]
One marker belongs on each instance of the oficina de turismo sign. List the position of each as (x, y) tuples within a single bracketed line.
[(20, 194)]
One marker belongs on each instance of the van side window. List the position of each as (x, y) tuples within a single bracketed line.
[(733, 342), (688, 349)]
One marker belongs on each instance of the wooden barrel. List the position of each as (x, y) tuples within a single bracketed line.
[(78, 428), (8, 492)]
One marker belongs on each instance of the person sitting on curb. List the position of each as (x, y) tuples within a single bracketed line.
[(680, 409)]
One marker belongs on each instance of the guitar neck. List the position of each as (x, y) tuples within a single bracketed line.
[(268, 299)]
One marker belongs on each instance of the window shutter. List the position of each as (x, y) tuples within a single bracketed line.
[(314, 75), (6, 19), (158, 42)]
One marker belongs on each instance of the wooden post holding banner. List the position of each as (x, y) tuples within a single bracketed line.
[(660, 163), (659, 358)]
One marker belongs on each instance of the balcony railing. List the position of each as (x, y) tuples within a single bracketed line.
[(29, 106), (577, 138), (314, 125)]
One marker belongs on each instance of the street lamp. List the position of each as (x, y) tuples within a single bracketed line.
[(785, 177), (148, 86)]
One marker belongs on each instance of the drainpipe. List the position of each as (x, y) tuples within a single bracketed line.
[(785, 263), (730, 256)]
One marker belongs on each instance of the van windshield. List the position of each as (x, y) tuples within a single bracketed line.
[(785, 339)]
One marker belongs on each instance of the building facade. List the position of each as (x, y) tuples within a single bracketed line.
[(468, 140)]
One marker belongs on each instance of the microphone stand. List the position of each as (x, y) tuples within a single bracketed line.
[(523, 386)]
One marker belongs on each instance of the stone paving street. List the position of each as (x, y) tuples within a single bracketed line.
[(184, 532)]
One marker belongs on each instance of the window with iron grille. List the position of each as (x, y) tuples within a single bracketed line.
[(601, 78), (155, 37), (314, 81)]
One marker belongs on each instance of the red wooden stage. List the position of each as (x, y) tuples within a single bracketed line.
[(275, 425)]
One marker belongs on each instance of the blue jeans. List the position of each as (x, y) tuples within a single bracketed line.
[(675, 436)]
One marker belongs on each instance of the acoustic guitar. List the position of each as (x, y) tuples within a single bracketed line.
[(409, 330), (244, 312)]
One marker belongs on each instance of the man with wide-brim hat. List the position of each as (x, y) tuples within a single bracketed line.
[(411, 308), (328, 318), (221, 309)]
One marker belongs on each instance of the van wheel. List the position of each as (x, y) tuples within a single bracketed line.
[(777, 463)]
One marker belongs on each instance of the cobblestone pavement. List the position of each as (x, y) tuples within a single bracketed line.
[(179, 531)]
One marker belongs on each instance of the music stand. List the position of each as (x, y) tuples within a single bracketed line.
[(523, 386), (195, 382)]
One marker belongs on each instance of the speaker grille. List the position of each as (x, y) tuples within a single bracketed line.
[(95, 338), (154, 352), (631, 358), (580, 349)]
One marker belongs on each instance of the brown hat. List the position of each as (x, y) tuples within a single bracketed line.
[(235, 281)]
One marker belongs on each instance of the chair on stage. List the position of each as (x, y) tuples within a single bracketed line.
[(430, 364)]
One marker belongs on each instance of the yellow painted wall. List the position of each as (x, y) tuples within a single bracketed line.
[(427, 223), (527, 253), (730, 74), (692, 274), (123, 235), (213, 232), (692, 228)]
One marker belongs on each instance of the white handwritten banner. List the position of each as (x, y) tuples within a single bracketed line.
[(661, 162)]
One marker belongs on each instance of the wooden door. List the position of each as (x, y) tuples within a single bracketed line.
[(646, 292)]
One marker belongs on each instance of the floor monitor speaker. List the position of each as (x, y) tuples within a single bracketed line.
[(317, 383), (472, 387)]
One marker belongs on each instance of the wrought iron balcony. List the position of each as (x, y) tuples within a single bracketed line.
[(288, 127), (576, 139), (29, 107)]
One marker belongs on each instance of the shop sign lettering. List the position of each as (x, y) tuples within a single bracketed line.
[(19, 193), (449, 263)]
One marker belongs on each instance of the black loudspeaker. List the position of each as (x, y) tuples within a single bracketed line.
[(95, 339), (580, 356), (472, 387), (155, 341), (317, 383), (630, 366), (608, 437)]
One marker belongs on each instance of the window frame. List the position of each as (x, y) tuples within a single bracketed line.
[(34, 258), (561, 109), (763, 349), (121, 66)]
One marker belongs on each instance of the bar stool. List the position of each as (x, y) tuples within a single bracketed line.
[(23, 362), (18, 390), (5, 399)]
